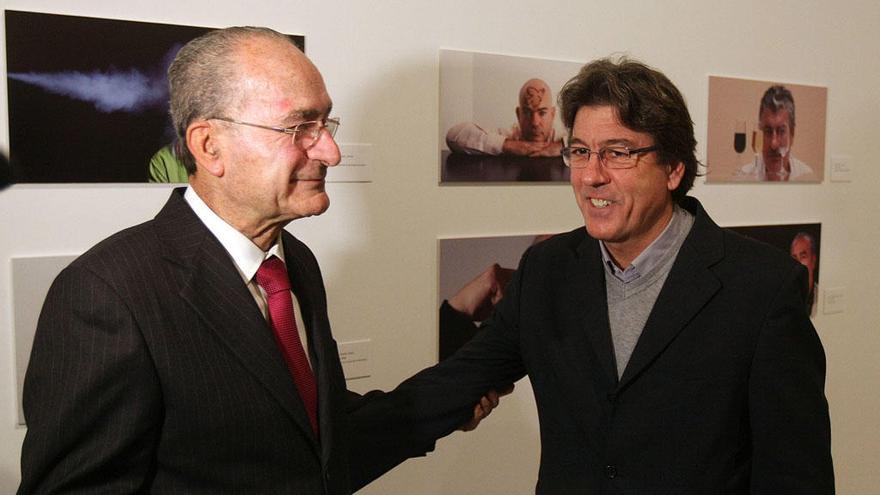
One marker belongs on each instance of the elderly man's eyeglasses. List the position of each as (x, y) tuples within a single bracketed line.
[(616, 157), (305, 134)]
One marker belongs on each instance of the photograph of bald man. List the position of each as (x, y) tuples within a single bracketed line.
[(532, 135)]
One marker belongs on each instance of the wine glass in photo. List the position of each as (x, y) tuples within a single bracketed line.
[(757, 139), (739, 136)]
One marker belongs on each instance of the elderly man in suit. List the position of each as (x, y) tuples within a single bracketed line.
[(667, 355), (193, 353)]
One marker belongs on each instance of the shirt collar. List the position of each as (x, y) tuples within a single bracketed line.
[(655, 253), (246, 256)]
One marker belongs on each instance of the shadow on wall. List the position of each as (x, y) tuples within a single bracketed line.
[(5, 172)]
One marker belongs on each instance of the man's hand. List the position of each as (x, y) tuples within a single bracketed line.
[(531, 148), (521, 148), (552, 149), (484, 407), (477, 298)]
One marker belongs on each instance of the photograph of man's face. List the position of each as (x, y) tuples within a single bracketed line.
[(536, 111), (804, 250), (778, 133), (752, 128), (801, 242), (498, 118)]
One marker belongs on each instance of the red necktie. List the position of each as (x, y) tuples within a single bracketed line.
[(272, 277)]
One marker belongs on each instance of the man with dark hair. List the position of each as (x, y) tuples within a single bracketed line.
[(776, 125), (193, 353), (666, 354)]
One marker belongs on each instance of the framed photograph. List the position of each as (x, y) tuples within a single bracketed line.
[(469, 262), (88, 98), (31, 279), (498, 118), (801, 241), (764, 131)]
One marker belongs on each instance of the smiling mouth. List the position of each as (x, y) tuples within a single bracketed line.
[(599, 203)]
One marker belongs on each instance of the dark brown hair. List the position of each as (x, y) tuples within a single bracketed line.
[(645, 101)]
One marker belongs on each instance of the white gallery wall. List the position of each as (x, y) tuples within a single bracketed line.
[(378, 242)]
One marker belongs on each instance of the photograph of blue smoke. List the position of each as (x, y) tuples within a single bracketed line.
[(88, 97)]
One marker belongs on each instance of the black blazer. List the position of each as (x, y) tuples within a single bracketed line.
[(723, 393), (154, 371)]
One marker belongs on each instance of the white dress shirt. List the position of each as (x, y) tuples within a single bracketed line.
[(246, 257)]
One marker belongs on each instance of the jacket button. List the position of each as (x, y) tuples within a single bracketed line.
[(610, 472), (612, 397)]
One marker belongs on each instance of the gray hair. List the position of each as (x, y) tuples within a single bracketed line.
[(776, 98), (203, 76)]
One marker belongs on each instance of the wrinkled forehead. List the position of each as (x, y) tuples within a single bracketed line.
[(774, 118), (278, 73), (274, 61)]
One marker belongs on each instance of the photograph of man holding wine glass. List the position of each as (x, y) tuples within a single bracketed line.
[(763, 145)]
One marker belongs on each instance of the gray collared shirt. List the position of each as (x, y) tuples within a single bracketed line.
[(632, 293), (659, 250)]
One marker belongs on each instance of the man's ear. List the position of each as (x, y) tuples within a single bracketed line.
[(674, 176), (201, 139)]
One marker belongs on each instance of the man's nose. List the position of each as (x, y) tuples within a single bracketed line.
[(594, 173), (325, 150)]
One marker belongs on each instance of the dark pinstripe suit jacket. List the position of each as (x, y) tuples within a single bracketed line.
[(154, 371)]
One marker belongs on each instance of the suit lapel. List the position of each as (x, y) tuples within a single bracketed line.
[(583, 290), (215, 291), (581, 354), (688, 287)]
